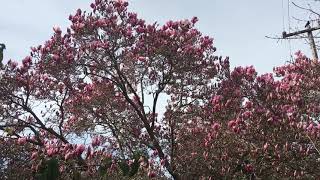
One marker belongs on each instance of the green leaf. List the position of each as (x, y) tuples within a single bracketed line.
[(107, 162), (42, 172), (42, 176), (53, 169), (124, 167), (134, 167), (105, 165), (49, 170), (102, 171)]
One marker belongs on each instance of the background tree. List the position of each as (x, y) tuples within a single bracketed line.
[(257, 127)]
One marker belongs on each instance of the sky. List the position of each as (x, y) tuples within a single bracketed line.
[(238, 27)]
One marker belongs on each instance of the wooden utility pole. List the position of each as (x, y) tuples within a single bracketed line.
[(310, 37)]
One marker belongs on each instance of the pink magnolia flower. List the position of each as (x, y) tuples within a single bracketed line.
[(92, 5), (27, 60), (68, 155), (33, 49), (101, 22), (248, 168), (50, 151), (247, 114), (205, 155), (12, 64), (194, 20), (193, 154), (22, 141), (231, 123), (89, 152), (216, 99), (57, 30), (55, 57), (310, 127), (151, 174), (80, 148), (215, 126), (206, 143), (34, 155), (250, 71), (248, 104), (141, 58), (162, 162), (129, 32), (96, 141), (265, 146), (155, 153), (78, 26)]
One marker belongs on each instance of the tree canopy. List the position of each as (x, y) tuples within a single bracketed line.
[(84, 105)]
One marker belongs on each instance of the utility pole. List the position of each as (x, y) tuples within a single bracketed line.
[(2, 47), (308, 30)]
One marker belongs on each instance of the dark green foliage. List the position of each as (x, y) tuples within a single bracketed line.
[(49, 170), (133, 168), (123, 165), (135, 165), (105, 164)]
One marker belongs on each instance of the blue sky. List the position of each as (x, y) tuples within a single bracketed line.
[(238, 27)]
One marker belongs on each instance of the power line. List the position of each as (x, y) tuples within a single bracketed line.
[(283, 25), (289, 29)]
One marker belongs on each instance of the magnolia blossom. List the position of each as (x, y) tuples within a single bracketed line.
[(96, 141), (79, 149), (22, 140), (57, 30), (34, 155)]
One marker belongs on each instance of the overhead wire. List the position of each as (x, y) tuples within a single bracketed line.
[(286, 12), (289, 29), (283, 17)]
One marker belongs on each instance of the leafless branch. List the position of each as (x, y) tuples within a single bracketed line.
[(307, 9)]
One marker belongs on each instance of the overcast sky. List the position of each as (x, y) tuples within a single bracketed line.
[(238, 27)]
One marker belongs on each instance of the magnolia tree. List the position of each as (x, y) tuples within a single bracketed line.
[(86, 101), (256, 126), (85, 105)]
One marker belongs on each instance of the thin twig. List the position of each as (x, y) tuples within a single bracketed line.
[(313, 144), (308, 9)]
